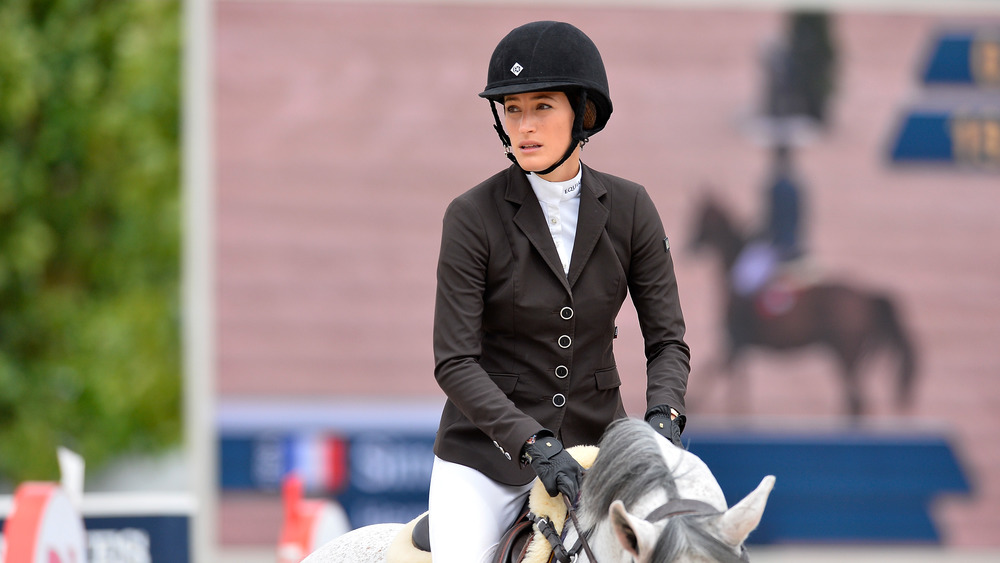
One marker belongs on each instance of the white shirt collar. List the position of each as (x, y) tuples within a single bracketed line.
[(555, 192)]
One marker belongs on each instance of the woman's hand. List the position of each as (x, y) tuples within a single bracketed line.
[(558, 471), (667, 422)]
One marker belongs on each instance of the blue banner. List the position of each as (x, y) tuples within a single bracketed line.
[(375, 476), (961, 136), (851, 485), (964, 58), (832, 486)]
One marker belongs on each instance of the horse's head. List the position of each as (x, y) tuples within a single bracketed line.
[(712, 224), (690, 535), (648, 501), (715, 228)]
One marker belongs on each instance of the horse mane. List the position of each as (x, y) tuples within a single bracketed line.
[(630, 465), (688, 533)]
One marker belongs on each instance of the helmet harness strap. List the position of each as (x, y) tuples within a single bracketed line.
[(504, 137)]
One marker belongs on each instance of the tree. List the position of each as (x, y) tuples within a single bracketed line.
[(89, 230)]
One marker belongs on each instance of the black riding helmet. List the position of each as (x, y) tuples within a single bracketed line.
[(551, 56)]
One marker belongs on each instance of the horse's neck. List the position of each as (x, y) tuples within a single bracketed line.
[(731, 252), (693, 478), (730, 243)]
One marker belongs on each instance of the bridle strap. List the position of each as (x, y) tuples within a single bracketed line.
[(679, 506), (685, 506), (675, 507)]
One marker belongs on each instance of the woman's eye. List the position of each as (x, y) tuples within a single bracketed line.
[(511, 109)]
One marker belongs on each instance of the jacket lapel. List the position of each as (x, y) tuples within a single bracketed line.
[(590, 225), (531, 221)]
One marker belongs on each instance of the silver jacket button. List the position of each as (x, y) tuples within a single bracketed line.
[(566, 313), (559, 400), (505, 453)]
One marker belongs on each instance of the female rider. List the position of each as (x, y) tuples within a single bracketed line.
[(534, 266)]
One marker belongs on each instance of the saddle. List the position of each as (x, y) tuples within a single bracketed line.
[(523, 542)]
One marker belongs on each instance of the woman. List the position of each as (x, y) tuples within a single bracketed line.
[(534, 266)]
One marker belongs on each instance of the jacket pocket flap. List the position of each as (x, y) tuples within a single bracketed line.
[(505, 381), (607, 378)]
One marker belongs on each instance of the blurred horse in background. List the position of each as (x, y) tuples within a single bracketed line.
[(849, 322)]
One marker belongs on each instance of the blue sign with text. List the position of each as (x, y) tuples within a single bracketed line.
[(851, 485), (964, 58), (375, 476)]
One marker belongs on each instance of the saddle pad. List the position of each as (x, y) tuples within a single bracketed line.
[(401, 549), (553, 508), (539, 503)]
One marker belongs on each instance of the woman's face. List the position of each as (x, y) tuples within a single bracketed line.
[(540, 127)]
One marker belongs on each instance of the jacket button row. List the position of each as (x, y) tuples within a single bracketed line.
[(565, 341), (566, 313), (562, 372), (559, 400), (505, 453)]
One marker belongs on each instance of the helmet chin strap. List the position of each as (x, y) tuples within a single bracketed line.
[(578, 138), (504, 137), (569, 152)]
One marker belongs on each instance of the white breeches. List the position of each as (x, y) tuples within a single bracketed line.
[(469, 512)]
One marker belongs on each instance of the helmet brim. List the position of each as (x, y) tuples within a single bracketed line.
[(498, 92)]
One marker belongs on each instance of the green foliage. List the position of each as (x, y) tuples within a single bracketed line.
[(89, 230)]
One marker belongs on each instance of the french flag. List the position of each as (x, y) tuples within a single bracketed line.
[(319, 459)]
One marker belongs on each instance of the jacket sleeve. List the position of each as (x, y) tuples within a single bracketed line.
[(654, 293), (458, 331)]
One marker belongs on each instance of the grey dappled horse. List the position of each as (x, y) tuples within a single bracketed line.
[(644, 500)]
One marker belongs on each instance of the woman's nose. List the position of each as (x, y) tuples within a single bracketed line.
[(527, 122)]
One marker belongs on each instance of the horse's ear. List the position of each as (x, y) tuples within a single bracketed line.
[(635, 535), (736, 523)]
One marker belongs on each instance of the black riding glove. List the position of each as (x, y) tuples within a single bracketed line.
[(555, 467), (670, 427)]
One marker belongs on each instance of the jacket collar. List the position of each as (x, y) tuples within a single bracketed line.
[(530, 219)]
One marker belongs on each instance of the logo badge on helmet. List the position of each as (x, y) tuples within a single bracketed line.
[(516, 69)]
